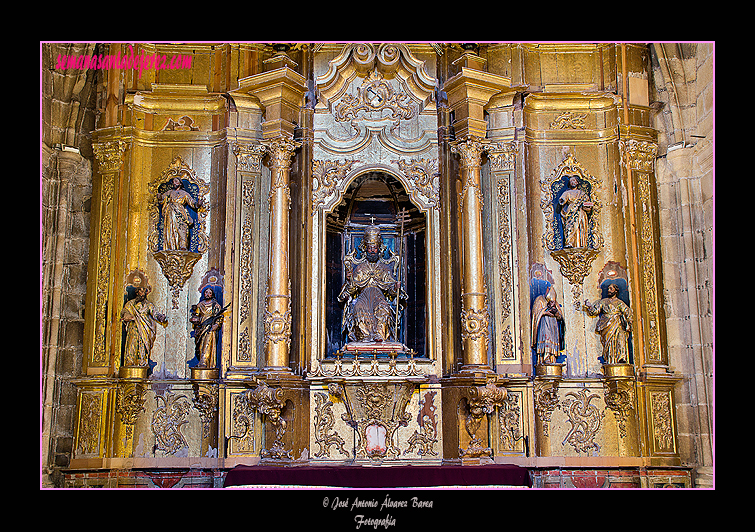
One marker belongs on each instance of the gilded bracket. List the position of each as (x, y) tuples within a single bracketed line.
[(481, 400), (269, 402)]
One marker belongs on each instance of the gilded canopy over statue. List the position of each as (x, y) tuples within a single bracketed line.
[(370, 291)]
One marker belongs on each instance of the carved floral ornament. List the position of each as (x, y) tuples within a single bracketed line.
[(331, 178)]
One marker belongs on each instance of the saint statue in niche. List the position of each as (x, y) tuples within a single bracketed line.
[(141, 318), (614, 325), (547, 327), (206, 318), (575, 210), (370, 292), (177, 220)]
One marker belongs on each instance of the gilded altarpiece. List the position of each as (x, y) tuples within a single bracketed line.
[(466, 163)]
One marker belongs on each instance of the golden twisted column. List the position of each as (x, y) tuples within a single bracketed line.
[(278, 300)]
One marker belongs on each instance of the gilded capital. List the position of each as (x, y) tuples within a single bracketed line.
[(249, 156), (470, 151), (109, 154), (638, 155), (281, 150)]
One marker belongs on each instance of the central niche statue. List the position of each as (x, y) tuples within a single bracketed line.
[(370, 291)]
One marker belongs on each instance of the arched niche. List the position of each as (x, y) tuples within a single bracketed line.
[(337, 223), (376, 198)]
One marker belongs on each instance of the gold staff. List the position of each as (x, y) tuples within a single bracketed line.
[(402, 216)]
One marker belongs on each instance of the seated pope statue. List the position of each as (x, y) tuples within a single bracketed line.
[(370, 293)]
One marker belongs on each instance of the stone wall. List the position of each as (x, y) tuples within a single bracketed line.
[(683, 77), (68, 116)]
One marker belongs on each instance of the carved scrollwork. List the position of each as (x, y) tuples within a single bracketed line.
[(269, 402), (424, 178), (619, 397), (481, 400), (375, 95), (323, 423), (376, 411), (569, 120), (167, 421), (427, 436), (327, 180), (545, 394), (585, 420)]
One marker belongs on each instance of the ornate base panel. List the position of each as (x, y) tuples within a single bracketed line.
[(374, 422)]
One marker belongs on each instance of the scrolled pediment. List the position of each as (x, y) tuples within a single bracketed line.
[(390, 60)]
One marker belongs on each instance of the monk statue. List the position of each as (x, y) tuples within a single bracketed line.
[(547, 327), (575, 209), (614, 325), (141, 318), (370, 293)]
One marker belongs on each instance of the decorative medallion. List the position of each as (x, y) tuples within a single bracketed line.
[(376, 95)]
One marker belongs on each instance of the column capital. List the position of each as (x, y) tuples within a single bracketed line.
[(470, 150), (281, 150), (109, 155)]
